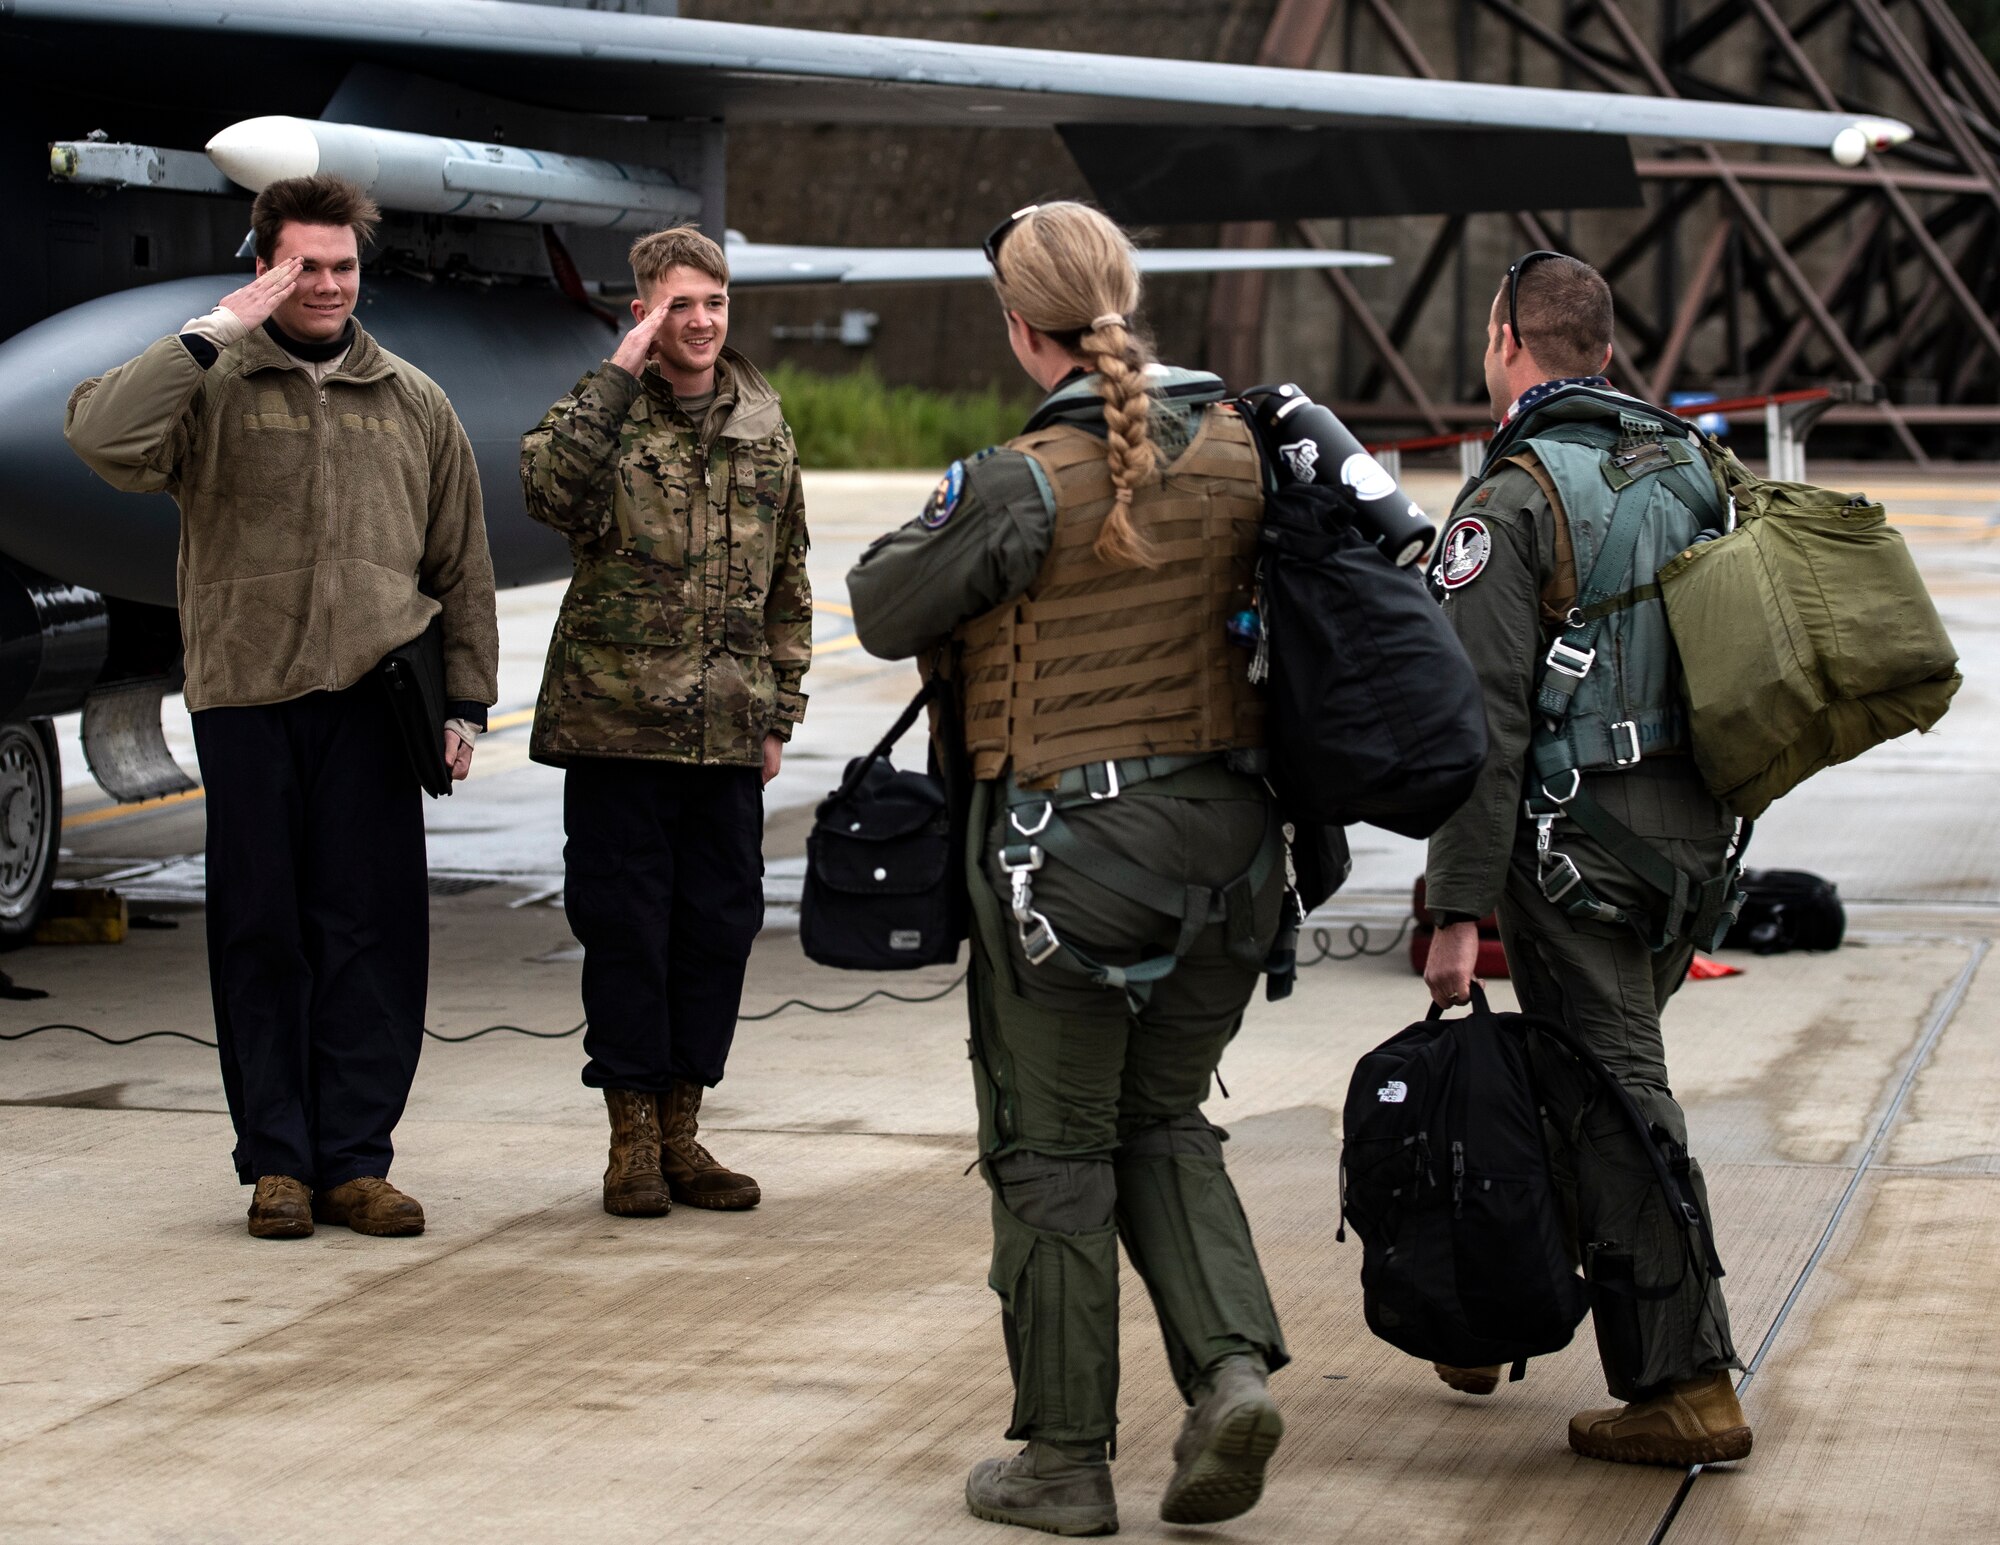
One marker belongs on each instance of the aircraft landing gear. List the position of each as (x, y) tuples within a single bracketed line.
[(30, 826)]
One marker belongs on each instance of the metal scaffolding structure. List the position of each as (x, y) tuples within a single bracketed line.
[(1745, 273)]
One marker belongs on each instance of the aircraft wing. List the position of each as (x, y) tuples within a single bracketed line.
[(584, 60), (757, 263)]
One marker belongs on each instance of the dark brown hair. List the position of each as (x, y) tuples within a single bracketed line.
[(1564, 307), (679, 246), (321, 199)]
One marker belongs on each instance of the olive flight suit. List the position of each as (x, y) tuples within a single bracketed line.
[(1089, 1099), (1659, 1314)]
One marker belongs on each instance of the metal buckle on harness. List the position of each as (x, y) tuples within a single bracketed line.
[(1048, 815), (1110, 777), (1570, 660), (1040, 941), (1575, 784), (1630, 729), (1562, 865)]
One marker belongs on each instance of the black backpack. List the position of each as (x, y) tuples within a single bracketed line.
[(1375, 713), (1445, 1176), (1787, 909), (884, 887)]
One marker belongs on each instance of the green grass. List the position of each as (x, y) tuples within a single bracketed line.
[(859, 420)]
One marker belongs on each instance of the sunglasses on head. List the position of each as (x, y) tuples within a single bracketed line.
[(1517, 268), (991, 246)]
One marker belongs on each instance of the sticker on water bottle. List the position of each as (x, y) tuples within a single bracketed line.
[(1367, 477)]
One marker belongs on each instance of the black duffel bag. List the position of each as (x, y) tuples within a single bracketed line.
[(1787, 909), (883, 889), (1375, 713)]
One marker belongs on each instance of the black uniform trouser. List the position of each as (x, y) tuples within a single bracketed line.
[(318, 929), (665, 891)]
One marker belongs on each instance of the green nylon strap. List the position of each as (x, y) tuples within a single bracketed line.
[(1195, 907), (1621, 540), (1619, 603)]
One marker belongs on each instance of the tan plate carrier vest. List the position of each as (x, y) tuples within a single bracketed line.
[(1094, 663)]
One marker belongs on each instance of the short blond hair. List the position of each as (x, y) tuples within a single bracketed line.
[(679, 246)]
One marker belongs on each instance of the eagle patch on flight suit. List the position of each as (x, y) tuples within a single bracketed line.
[(1463, 553)]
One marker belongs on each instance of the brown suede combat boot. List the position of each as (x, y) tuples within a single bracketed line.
[(1695, 1422), (280, 1208), (1058, 1488), (693, 1175), (633, 1185), (369, 1205), (1470, 1381)]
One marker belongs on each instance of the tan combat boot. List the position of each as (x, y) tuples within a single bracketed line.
[(280, 1208), (1696, 1422), (1227, 1438), (370, 1205), (693, 1175), (1058, 1488), (1471, 1381), (633, 1184)]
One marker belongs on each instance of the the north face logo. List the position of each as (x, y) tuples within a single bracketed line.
[(906, 939), (1393, 1092)]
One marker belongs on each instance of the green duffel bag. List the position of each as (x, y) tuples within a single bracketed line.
[(1805, 637)]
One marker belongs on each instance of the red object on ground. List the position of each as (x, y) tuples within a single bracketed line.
[(1702, 969)]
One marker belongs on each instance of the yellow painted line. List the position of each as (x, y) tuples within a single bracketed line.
[(835, 646), (508, 721), (140, 807), (833, 606)]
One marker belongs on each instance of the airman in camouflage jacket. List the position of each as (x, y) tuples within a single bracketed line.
[(687, 628)]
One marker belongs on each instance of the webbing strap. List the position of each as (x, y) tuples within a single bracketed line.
[(1555, 690), (1195, 907)]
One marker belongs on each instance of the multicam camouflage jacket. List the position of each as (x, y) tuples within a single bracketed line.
[(687, 628)]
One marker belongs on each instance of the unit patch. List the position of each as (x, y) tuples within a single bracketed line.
[(1463, 553), (944, 498)]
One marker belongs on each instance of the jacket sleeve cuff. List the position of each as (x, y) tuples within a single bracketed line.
[(472, 713), (614, 387)]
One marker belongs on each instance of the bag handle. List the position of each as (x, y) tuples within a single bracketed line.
[(897, 730)]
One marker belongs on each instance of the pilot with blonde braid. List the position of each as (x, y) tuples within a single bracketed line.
[(1126, 868)]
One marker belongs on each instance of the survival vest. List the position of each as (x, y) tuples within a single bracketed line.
[(1631, 490), (1095, 664)]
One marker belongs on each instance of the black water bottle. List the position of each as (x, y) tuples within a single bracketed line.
[(1305, 443)]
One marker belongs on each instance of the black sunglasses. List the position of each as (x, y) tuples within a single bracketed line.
[(1517, 268), (991, 246)]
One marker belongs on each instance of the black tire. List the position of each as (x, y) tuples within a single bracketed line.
[(30, 826)]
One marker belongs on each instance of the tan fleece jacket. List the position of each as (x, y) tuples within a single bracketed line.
[(322, 523)]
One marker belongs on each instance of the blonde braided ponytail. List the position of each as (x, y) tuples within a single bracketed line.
[(1069, 271)]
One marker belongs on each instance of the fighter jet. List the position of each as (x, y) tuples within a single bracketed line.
[(515, 149)]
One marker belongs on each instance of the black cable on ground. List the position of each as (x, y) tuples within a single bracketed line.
[(1358, 935)]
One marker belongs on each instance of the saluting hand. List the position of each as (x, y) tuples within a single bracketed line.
[(254, 303), (637, 345)]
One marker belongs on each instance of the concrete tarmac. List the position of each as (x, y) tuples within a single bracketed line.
[(827, 1366)]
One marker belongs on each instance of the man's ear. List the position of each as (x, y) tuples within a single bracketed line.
[(638, 309), (1604, 365), (262, 268)]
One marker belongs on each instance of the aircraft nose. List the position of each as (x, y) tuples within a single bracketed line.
[(55, 514)]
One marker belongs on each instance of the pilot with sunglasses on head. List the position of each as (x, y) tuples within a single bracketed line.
[(1617, 866)]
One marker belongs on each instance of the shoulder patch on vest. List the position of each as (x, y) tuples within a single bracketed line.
[(1463, 553), (944, 498), (1483, 495)]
